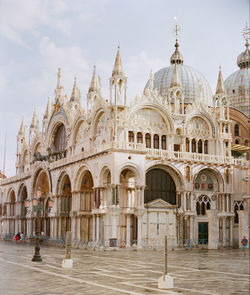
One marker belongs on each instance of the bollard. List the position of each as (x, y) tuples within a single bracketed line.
[(67, 262), (166, 281)]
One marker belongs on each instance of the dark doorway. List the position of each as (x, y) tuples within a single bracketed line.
[(202, 233), (160, 185)]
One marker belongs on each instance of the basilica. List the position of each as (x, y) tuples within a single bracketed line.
[(125, 172)]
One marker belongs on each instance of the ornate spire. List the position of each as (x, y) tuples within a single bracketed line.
[(94, 83), (75, 92), (117, 70), (22, 128), (34, 122), (59, 87), (59, 78), (243, 60), (177, 57), (47, 111), (220, 84), (175, 81)]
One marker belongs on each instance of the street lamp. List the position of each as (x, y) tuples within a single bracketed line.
[(38, 208)]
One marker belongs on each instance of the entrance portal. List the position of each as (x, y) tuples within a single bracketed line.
[(202, 233)]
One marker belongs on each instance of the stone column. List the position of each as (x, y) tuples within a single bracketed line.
[(73, 227), (93, 232), (139, 231), (29, 233), (128, 241), (243, 225), (231, 230), (97, 228), (78, 228), (191, 226), (213, 229), (223, 231)]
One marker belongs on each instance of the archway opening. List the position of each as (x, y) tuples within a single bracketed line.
[(160, 185)]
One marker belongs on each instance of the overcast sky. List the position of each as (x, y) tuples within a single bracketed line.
[(38, 36)]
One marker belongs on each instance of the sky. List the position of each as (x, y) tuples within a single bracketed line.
[(38, 36)]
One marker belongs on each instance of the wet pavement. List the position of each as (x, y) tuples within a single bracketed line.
[(194, 271)]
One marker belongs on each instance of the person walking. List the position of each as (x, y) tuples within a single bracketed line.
[(244, 243)]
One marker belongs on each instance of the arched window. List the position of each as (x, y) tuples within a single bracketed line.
[(236, 130), (12, 204), (148, 140), (139, 137), (160, 185), (131, 136), (237, 141), (187, 145), (202, 205), (164, 142), (236, 216), (205, 147), (200, 146), (60, 139), (226, 128), (193, 145), (156, 141)]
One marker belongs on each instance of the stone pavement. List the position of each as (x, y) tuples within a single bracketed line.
[(121, 272)]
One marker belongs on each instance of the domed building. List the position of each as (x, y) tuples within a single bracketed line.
[(238, 83), (194, 84), (119, 175)]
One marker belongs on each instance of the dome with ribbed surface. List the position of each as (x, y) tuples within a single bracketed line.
[(238, 83), (194, 84)]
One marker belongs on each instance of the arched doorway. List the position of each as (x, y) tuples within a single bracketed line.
[(12, 213), (86, 206), (128, 203), (160, 185), (23, 209), (65, 205), (41, 190)]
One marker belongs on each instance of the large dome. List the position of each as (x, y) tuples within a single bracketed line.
[(238, 84), (194, 84)]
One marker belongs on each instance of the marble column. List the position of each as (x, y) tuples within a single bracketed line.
[(93, 232), (97, 228), (128, 241), (191, 227), (73, 227), (223, 231), (231, 230), (213, 229), (243, 225), (139, 231)]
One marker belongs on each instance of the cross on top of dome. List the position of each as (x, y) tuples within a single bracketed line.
[(177, 57)]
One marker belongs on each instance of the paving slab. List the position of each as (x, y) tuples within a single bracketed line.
[(194, 271)]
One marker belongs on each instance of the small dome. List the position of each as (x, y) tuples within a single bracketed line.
[(194, 84), (238, 83), (243, 60), (238, 89)]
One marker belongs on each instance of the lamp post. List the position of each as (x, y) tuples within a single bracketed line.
[(38, 208)]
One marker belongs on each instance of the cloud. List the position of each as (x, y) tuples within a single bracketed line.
[(20, 16)]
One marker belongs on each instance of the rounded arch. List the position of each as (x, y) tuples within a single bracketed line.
[(79, 123), (160, 185), (207, 118), (42, 183), (157, 108), (79, 174), (216, 177), (105, 175), (99, 112), (60, 181), (53, 127), (22, 191), (172, 171), (134, 168)]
